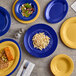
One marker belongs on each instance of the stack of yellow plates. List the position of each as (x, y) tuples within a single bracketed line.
[(62, 65), (68, 32)]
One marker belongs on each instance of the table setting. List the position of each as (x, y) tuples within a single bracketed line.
[(37, 38)]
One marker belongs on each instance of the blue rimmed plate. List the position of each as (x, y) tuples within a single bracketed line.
[(5, 21), (17, 52), (18, 9), (56, 10), (38, 28)]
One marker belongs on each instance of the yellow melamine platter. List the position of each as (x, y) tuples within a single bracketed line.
[(68, 32), (15, 52), (62, 65)]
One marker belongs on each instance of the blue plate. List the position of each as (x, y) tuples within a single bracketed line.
[(56, 10), (19, 51), (18, 9), (5, 21), (38, 28)]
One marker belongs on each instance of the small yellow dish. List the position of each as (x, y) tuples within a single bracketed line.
[(30, 21), (62, 65), (15, 52), (68, 32)]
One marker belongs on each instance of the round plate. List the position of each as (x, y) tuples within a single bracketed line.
[(62, 65), (17, 12), (5, 21), (68, 32), (56, 10), (38, 28), (16, 52)]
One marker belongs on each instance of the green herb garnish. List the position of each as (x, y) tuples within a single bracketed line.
[(27, 9)]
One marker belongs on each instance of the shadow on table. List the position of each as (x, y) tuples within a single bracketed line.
[(21, 42), (49, 70)]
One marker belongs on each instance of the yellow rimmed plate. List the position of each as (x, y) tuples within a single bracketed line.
[(30, 21), (68, 32), (16, 54), (62, 65)]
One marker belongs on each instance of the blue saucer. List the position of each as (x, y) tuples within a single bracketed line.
[(5, 21), (38, 28), (56, 10), (18, 11)]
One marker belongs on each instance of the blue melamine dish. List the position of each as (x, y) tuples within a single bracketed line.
[(19, 51), (5, 21), (38, 28), (18, 10), (56, 10)]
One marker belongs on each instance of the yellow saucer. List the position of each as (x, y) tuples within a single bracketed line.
[(62, 65), (15, 52), (68, 32), (30, 21)]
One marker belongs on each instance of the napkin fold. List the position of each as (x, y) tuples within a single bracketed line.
[(26, 68), (73, 6)]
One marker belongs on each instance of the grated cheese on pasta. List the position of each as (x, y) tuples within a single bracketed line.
[(40, 41)]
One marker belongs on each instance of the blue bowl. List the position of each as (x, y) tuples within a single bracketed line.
[(38, 28), (18, 11), (19, 51), (5, 21), (56, 10)]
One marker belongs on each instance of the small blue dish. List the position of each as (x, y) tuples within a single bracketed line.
[(56, 10), (38, 28), (5, 21), (19, 51), (18, 9)]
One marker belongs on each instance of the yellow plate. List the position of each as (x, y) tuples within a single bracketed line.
[(30, 21), (68, 32), (15, 52), (62, 65)]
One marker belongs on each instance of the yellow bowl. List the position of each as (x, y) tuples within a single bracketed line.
[(62, 65), (30, 21), (68, 32), (15, 52)]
